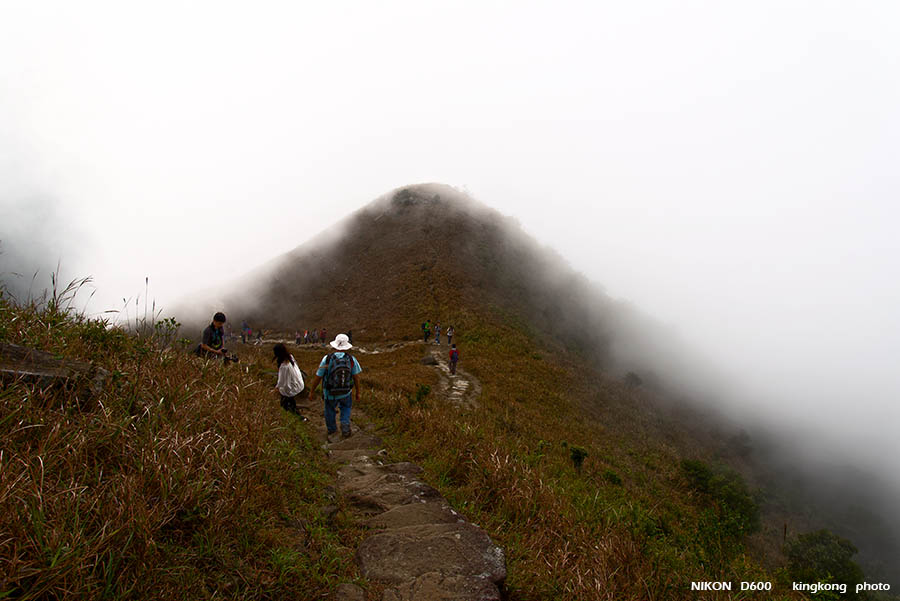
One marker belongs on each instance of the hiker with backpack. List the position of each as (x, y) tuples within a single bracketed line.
[(339, 374), (450, 335), (426, 329), (437, 333), (454, 359), (290, 380)]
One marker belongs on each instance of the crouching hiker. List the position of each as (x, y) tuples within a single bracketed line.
[(339, 373), (212, 343), (290, 380)]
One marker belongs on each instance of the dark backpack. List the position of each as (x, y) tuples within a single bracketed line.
[(339, 375)]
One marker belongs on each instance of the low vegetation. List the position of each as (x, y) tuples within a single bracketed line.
[(183, 479), (180, 480)]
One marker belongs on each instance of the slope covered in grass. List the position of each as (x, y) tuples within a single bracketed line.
[(180, 480)]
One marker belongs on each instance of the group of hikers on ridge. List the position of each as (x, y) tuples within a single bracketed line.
[(454, 354), (427, 329), (316, 336), (338, 372)]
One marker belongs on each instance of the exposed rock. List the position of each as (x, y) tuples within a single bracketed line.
[(435, 587), (45, 370), (349, 592), (359, 440), (429, 360), (415, 514), (401, 555), (373, 490)]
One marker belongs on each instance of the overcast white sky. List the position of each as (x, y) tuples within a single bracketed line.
[(729, 167)]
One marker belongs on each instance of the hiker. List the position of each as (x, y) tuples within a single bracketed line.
[(305, 336), (339, 373), (454, 359), (350, 336), (426, 327), (437, 333), (297, 338), (259, 334), (450, 335), (245, 329), (290, 380), (212, 342), (323, 336)]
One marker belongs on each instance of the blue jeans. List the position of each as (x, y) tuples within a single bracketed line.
[(331, 407)]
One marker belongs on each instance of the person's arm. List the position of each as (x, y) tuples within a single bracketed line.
[(313, 386), (282, 379)]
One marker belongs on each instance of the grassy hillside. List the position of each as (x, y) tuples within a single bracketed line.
[(185, 480), (181, 480)]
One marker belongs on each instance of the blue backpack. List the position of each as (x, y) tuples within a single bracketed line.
[(339, 375)]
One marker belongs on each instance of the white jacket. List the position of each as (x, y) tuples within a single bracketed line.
[(290, 380)]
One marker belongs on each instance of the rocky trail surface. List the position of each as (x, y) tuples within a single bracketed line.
[(418, 546)]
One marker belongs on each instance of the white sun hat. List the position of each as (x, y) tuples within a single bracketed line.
[(341, 343)]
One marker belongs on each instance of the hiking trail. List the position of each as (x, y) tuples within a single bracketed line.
[(418, 546), (462, 388)]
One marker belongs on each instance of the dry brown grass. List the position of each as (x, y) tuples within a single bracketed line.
[(182, 480)]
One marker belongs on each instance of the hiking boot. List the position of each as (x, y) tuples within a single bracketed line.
[(333, 436), (346, 433)]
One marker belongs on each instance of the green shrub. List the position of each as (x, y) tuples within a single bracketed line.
[(823, 556), (737, 510), (422, 391), (612, 477), (578, 455)]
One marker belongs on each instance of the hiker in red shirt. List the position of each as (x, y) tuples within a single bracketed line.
[(454, 359)]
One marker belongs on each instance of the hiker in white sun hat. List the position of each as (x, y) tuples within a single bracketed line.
[(341, 342), (339, 374)]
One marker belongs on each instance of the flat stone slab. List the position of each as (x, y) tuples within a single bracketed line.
[(349, 592), (401, 555), (415, 514), (373, 490), (359, 440), (42, 368), (350, 456), (435, 587)]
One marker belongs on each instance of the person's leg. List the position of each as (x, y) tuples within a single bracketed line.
[(346, 405), (330, 423)]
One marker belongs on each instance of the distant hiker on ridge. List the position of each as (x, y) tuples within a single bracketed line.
[(454, 359), (426, 329), (290, 380), (437, 333), (339, 373), (245, 331), (450, 335)]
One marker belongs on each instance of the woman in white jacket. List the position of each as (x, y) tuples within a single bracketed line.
[(290, 380)]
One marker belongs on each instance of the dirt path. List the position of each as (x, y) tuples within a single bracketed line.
[(418, 546), (462, 388)]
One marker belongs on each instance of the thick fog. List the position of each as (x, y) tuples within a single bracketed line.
[(729, 170)]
